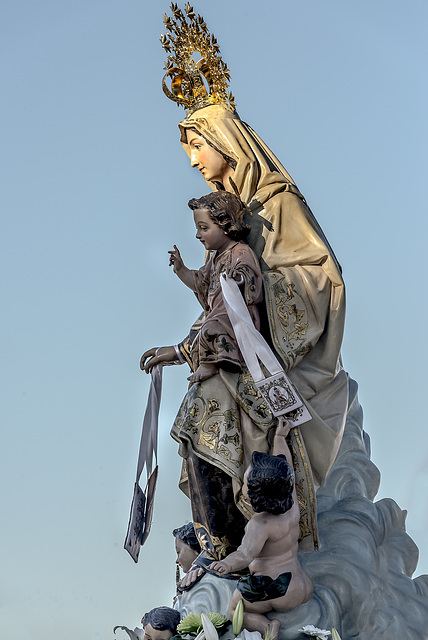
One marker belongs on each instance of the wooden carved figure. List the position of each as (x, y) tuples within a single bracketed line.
[(277, 581), (221, 229)]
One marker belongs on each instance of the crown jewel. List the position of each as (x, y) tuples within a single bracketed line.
[(188, 34)]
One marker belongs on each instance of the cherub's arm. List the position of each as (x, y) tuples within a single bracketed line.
[(280, 444), (254, 540)]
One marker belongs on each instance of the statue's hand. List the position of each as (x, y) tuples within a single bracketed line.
[(175, 260), (234, 274), (156, 356), (221, 567), (190, 578), (283, 428)]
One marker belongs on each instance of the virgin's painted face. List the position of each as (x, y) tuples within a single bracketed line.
[(210, 162)]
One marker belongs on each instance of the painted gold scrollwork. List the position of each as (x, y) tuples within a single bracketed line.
[(213, 405), (297, 313), (245, 506), (221, 546), (289, 319), (227, 439), (224, 452), (208, 435), (194, 411), (304, 524), (252, 402), (231, 419), (300, 329), (216, 546), (303, 505)]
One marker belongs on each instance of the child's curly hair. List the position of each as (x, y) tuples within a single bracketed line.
[(226, 211), (270, 483)]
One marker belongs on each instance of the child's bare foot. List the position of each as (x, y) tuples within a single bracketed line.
[(203, 372), (283, 428)]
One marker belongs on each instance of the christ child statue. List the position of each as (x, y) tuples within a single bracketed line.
[(277, 581), (221, 229)]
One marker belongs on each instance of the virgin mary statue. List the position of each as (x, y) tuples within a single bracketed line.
[(222, 420)]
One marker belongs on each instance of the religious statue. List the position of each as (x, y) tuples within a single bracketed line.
[(223, 418), (361, 583)]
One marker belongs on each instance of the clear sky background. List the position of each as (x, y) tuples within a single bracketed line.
[(94, 191)]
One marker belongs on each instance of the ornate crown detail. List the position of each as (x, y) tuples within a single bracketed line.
[(185, 37)]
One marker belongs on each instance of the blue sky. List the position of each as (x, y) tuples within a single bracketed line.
[(94, 186)]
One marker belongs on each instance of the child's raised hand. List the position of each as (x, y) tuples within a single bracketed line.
[(175, 260)]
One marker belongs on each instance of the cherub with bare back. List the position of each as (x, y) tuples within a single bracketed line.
[(277, 581)]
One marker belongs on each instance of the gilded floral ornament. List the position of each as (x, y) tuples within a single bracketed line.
[(193, 84)]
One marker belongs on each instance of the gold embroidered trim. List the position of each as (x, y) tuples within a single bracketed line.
[(312, 500), (213, 544), (275, 288)]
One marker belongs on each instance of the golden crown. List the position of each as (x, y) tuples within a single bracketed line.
[(188, 34)]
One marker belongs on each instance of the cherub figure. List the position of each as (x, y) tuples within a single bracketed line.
[(277, 581), (221, 229), (188, 548), (160, 623), (186, 545)]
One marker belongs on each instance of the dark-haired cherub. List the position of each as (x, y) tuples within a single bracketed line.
[(186, 545), (160, 623), (221, 229), (277, 581), (188, 548)]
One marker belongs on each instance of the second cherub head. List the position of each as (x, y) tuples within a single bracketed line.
[(186, 545), (160, 623)]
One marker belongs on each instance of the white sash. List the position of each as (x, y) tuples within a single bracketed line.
[(277, 389)]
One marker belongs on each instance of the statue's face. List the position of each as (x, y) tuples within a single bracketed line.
[(156, 634), (212, 237), (210, 162), (185, 555)]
